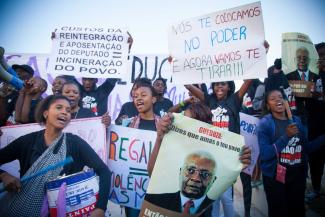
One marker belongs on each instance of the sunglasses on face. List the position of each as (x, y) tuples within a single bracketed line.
[(204, 174)]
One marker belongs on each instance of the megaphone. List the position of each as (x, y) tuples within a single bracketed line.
[(11, 79)]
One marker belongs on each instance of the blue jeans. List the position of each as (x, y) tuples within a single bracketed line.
[(227, 203)]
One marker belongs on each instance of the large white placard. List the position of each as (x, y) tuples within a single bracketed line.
[(192, 146), (221, 46), (128, 155), (89, 52)]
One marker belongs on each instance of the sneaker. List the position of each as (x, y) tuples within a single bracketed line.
[(311, 196)]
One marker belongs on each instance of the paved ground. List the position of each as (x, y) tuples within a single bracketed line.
[(316, 209)]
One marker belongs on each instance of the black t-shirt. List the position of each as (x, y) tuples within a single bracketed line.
[(82, 113), (96, 100), (128, 109), (291, 156), (161, 107), (276, 81), (10, 100), (147, 125), (225, 113)]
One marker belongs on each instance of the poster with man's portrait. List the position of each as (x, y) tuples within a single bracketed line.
[(196, 163), (299, 63)]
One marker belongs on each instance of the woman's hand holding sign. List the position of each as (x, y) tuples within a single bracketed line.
[(245, 156)]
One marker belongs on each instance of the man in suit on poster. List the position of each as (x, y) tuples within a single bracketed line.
[(196, 177), (302, 73)]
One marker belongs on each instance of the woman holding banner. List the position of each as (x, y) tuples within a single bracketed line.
[(38, 150), (143, 99)]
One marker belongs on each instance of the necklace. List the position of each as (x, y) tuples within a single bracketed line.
[(75, 116)]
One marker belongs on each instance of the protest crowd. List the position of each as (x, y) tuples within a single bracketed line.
[(290, 134)]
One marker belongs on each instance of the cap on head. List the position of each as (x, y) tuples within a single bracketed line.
[(24, 67)]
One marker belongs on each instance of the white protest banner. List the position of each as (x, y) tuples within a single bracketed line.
[(297, 45), (146, 66), (248, 129), (150, 66), (195, 160), (128, 154), (89, 52), (221, 46), (11, 133), (89, 129)]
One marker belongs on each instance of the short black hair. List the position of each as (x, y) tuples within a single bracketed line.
[(267, 95), (200, 112), (278, 63), (67, 77), (164, 81), (140, 81), (45, 105), (320, 46), (45, 85), (231, 85), (161, 79), (72, 82), (149, 86), (69, 82)]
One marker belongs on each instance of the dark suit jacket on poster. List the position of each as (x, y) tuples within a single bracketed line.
[(295, 76), (172, 201), (304, 105)]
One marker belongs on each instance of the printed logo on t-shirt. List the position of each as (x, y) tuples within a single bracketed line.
[(162, 113), (89, 102), (220, 117), (11, 120), (247, 101), (291, 154)]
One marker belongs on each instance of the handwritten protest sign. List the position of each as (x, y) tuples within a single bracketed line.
[(248, 127), (221, 46), (89, 52), (192, 150), (89, 129), (150, 66), (128, 154), (294, 43)]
